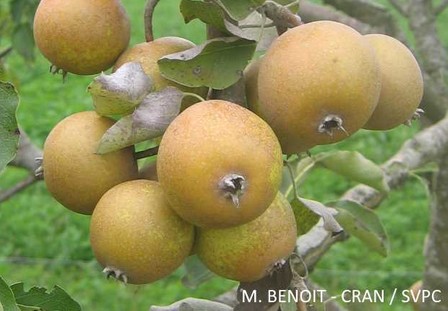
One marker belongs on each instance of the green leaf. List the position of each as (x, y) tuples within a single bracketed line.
[(305, 218), (362, 223), (240, 9), (218, 63), (353, 165), (208, 12), (9, 131), (196, 272), (23, 41), (22, 9), (149, 120), (120, 92), (38, 297), (7, 299)]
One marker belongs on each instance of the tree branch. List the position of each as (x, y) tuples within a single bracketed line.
[(441, 7), (26, 154), (310, 12), (5, 52), (436, 249), (22, 185), (433, 57), (147, 153), (427, 146), (403, 10), (370, 13)]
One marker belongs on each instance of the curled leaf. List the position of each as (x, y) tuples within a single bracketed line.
[(327, 214), (238, 10), (305, 218), (120, 92), (208, 12), (148, 121), (364, 224), (218, 63)]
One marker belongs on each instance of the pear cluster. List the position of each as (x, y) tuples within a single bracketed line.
[(321, 82), (217, 194), (214, 189)]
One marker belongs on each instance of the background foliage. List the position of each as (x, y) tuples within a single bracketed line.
[(45, 244)]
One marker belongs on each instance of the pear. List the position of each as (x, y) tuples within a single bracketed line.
[(81, 36), (75, 175)]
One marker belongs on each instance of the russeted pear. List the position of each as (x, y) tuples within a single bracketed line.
[(75, 175), (136, 236), (248, 252), (318, 83), (402, 83), (148, 53), (220, 164), (81, 36)]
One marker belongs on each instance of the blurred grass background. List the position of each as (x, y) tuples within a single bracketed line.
[(44, 244)]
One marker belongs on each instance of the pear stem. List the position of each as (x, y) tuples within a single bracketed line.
[(149, 11), (194, 95)]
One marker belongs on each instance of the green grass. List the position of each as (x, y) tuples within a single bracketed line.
[(44, 244)]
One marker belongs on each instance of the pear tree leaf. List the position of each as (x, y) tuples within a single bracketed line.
[(196, 272), (42, 299), (240, 9), (7, 299), (193, 304), (355, 166), (250, 27), (217, 63), (148, 121), (305, 218), (247, 29), (9, 131), (362, 223), (120, 92), (327, 214), (23, 41), (208, 12), (22, 10)]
